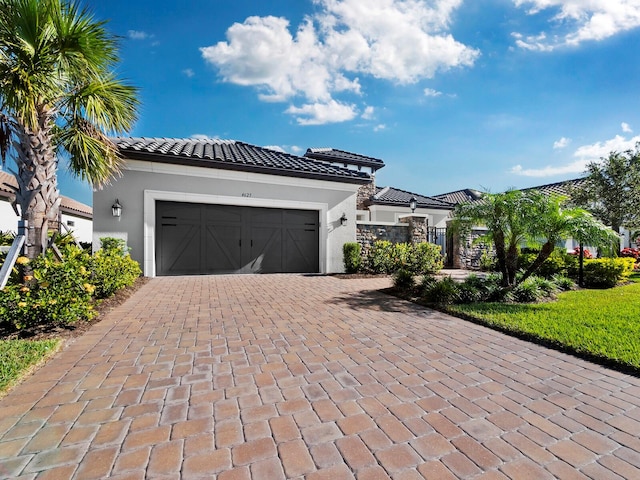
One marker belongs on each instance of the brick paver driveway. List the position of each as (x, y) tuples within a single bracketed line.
[(287, 376)]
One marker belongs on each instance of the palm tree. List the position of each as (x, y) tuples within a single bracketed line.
[(504, 216), (58, 95), (513, 217), (553, 223)]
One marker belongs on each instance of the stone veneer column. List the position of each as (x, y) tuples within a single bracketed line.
[(418, 228)]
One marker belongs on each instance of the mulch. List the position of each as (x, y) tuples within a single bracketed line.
[(45, 332)]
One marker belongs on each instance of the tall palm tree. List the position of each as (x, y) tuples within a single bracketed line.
[(58, 96)]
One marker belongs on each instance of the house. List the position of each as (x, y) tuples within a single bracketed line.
[(76, 216), (200, 206)]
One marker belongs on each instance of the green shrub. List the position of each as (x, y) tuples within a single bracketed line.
[(558, 262), (441, 292), (564, 283), (403, 280), (605, 272), (488, 262), (427, 258), (351, 257), (57, 293), (402, 257), (421, 258), (62, 292), (533, 289), (112, 268), (380, 257)]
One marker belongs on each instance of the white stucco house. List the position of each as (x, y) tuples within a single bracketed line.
[(192, 206), (76, 216)]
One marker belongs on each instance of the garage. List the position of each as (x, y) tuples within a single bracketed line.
[(200, 239)]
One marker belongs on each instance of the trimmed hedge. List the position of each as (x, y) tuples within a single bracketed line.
[(418, 259)]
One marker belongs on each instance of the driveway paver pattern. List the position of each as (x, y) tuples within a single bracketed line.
[(293, 376)]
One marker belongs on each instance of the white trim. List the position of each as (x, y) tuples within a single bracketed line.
[(384, 224), (151, 196), (201, 172)]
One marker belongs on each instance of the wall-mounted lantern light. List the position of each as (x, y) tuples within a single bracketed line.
[(413, 203), (116, 209), (343, 220)]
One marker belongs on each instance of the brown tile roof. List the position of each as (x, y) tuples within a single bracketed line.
[(400, 198), (67, 205), (233, 155)]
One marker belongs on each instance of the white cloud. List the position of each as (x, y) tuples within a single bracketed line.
[(626, 128), (430, 92), (562, 143), (188, 72), (577, 21), (402, 41), (577, 166), (295, 149), (369, 113), (321, 113), (598, 150), (138, 35), (379, 127), (583, 155), (202, 136), (276, 148)]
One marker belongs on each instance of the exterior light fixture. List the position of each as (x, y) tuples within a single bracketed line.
[(116, 209), (343, 220), (413, 203)]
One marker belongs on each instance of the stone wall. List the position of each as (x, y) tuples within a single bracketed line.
[(467, 252), (365, 192), (409, 230), (366, 235)]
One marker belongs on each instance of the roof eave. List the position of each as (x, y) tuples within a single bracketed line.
[(362, 179)]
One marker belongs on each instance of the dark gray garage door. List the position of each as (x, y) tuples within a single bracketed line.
[(196, 239)]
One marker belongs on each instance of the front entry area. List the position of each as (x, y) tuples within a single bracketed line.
[(200, 239)]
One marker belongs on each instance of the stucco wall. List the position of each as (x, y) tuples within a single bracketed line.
[(143, 183)]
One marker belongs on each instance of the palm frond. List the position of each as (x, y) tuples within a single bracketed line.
[(107, 103), (93, 157)]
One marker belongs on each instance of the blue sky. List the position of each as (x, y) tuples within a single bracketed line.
[(485, 94)]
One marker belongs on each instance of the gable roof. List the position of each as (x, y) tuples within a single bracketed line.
[(400, 198), (233, 155), (340, 156), (67, 205), (460, 196)]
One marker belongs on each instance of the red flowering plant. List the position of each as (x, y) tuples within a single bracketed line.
[(630, 252), (587, 253)]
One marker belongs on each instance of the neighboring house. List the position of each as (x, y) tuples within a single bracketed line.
[(77, 216), (391, 204), (222, 206)]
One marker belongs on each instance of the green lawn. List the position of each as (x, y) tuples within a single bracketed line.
[(600, 323), (18, 357)]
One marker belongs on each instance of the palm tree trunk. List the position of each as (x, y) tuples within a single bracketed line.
[(37, 196), (545, 252)]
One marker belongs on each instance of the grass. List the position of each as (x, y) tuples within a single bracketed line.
[(599, 324), (19, 357)]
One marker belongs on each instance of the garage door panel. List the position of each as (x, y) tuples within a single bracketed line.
[(180, 251), (301, 256), (222, 251), (223, 214), (207, 239), (266, 250)]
